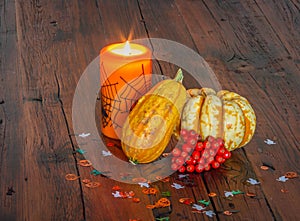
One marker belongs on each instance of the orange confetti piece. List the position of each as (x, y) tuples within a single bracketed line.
[(150, 191), (116, 188), (212, 194), (186, 201), (227, 213), (136, 200), (284, 191), (85, 181), (92, 184), (250, 194), (162, 202), (71, 176), (264, 167), (139, 180), (85, 163), (291, 175)]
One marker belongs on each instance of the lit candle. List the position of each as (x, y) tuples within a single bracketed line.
[(125, 70)]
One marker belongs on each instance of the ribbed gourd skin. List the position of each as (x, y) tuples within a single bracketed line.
[(224, 114), (150, 125)]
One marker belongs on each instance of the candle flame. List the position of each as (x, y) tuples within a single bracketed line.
[(127, 48)]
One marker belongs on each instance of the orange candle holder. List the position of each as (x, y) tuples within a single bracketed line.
[(125, 76)]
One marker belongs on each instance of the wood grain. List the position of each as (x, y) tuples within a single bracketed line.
[(252, 47)]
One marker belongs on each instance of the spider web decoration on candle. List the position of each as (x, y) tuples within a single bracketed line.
[(115, 103)]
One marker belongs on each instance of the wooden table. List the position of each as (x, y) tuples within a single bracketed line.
[(253, 48)]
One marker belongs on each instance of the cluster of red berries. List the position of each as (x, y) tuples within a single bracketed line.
[(195, 154)]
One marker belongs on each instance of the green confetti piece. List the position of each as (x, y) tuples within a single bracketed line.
[(237, 192), (204, 202), (167, 193), (163, 218), (81, 151)]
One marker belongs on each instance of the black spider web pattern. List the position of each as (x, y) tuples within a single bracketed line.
[(114, 101)]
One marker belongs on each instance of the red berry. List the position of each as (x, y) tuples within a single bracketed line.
[(205, 154), (212, 152), (219, 159), (199, 146), (192, 141), (190, 160), (215, 164), (206, 144), (190, 168), (227, 154), (221, 151), (179, 161), (196, 155), (210, 139), (187, 148), (174, 166), (181, 169), (183, 132), (207, 167), (184, 154), (210, 159), (192, 133), (202, 161), (220, 141), (176, 152), (199, 168), (215, 145)]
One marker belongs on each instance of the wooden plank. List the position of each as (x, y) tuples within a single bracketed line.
[(11, 188), (262, 61), (36, 160)]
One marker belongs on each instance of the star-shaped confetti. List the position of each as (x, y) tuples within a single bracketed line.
[(282, 179), (269, 142), (253, 181), (177, 186), (180, 176), (228, 193), (209, 213), (143, 184), (84, 135), (198, 207), (106, 153), (117, 194)]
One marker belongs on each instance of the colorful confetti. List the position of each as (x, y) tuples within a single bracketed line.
[(166, 193), (84, 135), (204, 202), (81, 151), (253, 181), (282, 179), (269, 142), (186, 201), (71, 177), (228, 193), (180, 176), (163, 218), (117, 194), (291, 175), (106, 153), (212, 194), (209, 213), (177, 186), (150, 191), (85, 163), (143, 184), (198, 207), (92, 184)]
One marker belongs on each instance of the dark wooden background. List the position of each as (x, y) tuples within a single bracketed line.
[(253, 46)]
